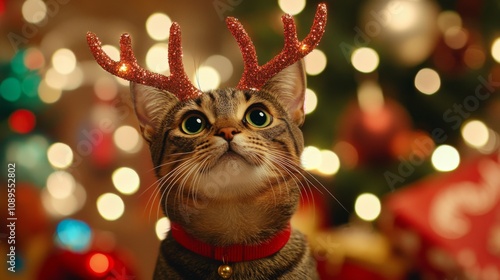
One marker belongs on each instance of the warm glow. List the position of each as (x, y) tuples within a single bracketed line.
[(157, 58), (60, 155), (365, 60), (370, 96), (48, 94), (64, 61), (158, 26), (222, 65), (330, 163), (34, 11), (110, 206), (99, 263), (127, 139), (105, 88), (427, 81), (475, 133), (367, 206), (311, 158), (162, 227), (34, 59), (112, 51), (126, 180), (406, 18), (292, 7), (310, 101), (60, 184), (55, 79), (315, 62), (495, 50), (207, 78), (449, 19), (455, 37), (445, 158), (474, 57)]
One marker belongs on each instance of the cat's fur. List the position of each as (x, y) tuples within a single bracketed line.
[(232, 183)]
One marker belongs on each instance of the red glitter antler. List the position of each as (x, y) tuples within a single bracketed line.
[(255, 76), (127, 68)]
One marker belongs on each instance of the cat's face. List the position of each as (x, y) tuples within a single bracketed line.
[(227, 143)]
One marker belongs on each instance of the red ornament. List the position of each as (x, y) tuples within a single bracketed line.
[(372, 133), (22, 121)]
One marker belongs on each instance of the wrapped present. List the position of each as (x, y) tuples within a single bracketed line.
[(354, 252), (449, 224)]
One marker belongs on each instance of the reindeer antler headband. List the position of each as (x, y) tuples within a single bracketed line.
[(254, 76)]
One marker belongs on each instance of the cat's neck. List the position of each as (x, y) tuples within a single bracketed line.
[(223, 222)]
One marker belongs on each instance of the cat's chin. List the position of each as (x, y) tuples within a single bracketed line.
[(232, 176)]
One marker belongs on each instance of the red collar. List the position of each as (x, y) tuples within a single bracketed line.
[(232, 253)]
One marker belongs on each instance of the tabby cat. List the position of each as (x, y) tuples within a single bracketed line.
[(228, 163)]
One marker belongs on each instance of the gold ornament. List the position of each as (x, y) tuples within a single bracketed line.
[(225, 271)]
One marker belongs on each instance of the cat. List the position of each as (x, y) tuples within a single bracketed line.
[(228, 166)]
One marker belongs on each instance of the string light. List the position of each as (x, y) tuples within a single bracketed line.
[(157, 58), (64, 61), (315, 62), (110, 206), (292, 7), (60, 155), (222, 65), (162, 227), (22, 121), (330, 163), (310, 158), (365, 60), (495, 50), (367, 206), (158, 26), (73, 235), (207, 78), (127, 139), (126, 180), (475, 133), (99, 263), (427, 81), (310, 101), (445, 158), (34, 11)]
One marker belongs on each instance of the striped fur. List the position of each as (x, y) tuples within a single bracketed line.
[(224, 192)]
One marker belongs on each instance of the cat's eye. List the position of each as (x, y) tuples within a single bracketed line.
[(193, 124), (258, 117)]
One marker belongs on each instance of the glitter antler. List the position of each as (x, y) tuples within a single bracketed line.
[(255, 76), (127, 68)]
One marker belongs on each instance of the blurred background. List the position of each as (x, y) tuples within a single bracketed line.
[(401, 133)]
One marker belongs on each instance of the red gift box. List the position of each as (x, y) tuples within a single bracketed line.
[(449, 224)]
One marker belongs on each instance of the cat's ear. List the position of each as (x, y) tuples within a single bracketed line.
[(151, 106), (289, 87)]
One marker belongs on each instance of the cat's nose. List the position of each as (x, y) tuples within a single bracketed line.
[(227, 133)]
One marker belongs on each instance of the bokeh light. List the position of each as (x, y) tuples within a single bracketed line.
[(73, 235), (427, 81), (475, 133), (99, 263), (222, 64), (66, 205), (367, 206), (22, 121), (105, 88), (127, 139), (310, 101), (126, 180), (158, 26), (64, 61), (456, 37), (61, 184), (162, 227), (60, 155), (207, 78), (310, 158), (110, 206), (495, 50), (48, 94), (34, 11), (370, 96), (445, 158), (474, 57), (365, 60), (10, 89), (157, 58), (292, 7), (449, 19), (112, 51), (34, 59), (315, 62), (330, 163)]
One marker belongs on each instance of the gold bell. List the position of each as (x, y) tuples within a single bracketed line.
[(225, 271)]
